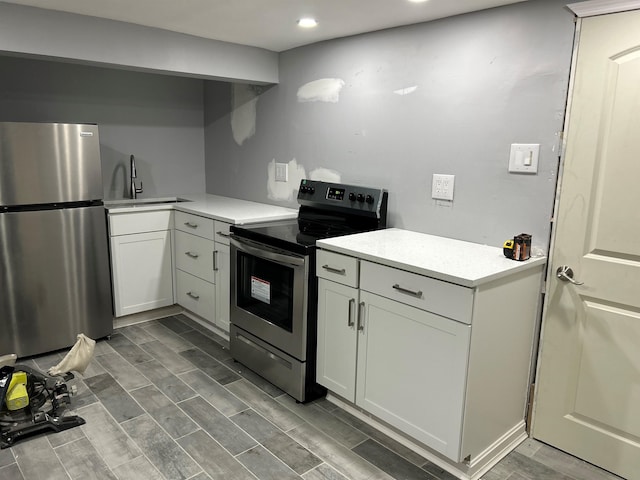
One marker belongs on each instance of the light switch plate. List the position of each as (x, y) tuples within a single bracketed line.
[(524, 158), (442, 186), (282, 172)]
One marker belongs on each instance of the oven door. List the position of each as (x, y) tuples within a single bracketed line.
[(269, 295)]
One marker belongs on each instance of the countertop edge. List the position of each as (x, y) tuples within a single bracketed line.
[(204, 206), (440, 275)]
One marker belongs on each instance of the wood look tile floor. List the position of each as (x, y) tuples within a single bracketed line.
[(164, 400)]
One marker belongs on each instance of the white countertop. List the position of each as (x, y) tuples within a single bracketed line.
[(226, 209), (464, 263)]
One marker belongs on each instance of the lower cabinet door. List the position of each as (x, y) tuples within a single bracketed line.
[(337, 326), (196, 295), (412, 368), (222, 259), (142, 278)]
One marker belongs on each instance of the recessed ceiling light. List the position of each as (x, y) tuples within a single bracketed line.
[(307, 22)]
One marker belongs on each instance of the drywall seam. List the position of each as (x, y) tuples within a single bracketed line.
[(243, 112)]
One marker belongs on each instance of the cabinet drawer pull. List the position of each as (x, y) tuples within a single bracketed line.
[(191, 254), (352, 303), (222, 234), (413, 293), (191, 224), (215, 260), (195, 296), (339, 271), (361, 317)]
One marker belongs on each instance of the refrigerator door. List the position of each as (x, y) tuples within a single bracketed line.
[(44, 163), (54, 279)]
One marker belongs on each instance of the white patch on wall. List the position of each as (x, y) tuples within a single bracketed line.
[(321, 90), (325, 175), (284, 190), (406, 91), (243, 111)]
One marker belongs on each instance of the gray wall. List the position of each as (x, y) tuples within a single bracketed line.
[(79, 38), (482, 82), (157, 118)]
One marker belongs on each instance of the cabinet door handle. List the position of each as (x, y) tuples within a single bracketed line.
[(191, 224), (413, 293), (361, 317), (339, 271), (352, 303), (191, 254), (195, 296), (215, 260), (222, 234)]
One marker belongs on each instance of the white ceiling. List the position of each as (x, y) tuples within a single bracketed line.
[(269, 24)]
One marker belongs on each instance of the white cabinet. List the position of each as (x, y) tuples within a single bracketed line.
[(202, 267), (412, 368), (141, 261), (337, 338), (445, 363)]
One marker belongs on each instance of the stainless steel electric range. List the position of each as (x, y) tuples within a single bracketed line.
[(274, 286)]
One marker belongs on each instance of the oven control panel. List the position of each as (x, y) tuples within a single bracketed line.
[(353, 198)]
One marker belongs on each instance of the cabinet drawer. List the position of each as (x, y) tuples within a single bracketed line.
[(194, 224), (338, 268), (196, 295), (446, 299), (194, 255), (222, 232), (140, 222)]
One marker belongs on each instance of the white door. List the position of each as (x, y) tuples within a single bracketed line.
[(337, 338), (412, 371), (142, 278), (588, 384), (223, 285)]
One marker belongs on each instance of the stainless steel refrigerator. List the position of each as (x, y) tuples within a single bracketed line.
[(54, 258)]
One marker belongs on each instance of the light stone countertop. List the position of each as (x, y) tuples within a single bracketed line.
[(225, 209), (464, 263)]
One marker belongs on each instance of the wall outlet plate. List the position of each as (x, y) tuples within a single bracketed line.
[(282, 172), (524, 158), (442, 186)]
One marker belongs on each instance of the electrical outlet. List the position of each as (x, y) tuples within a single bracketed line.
[(442, 186), (282, 172)]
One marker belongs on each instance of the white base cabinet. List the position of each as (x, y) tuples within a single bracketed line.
[(337, 337), (446, 365), (202, 267), (141, 261)]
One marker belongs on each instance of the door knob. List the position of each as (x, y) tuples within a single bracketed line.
[(565, 274)]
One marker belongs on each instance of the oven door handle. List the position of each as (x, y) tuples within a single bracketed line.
[(267, 253)]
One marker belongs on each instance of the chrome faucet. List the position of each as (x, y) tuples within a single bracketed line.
[(133, 190)]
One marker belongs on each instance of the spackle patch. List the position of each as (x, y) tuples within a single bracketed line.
[(321, 90), (325, 175), (243, 114), (284, 190), (406, 91)]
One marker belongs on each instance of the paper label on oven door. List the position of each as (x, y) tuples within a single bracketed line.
[(260, 289)]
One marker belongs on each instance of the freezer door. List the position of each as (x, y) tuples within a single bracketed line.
[(54, 279), (49, 163)]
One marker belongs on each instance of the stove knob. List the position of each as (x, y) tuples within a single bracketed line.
[(303, 189), (369, 199), (360, 197), (311, 190), (352, 197)]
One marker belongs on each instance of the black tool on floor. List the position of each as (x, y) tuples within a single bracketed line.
[(32, 402)]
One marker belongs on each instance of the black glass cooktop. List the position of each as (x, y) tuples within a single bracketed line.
[(292, 235)]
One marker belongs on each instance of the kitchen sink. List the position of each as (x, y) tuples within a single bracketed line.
[(143, 202)]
